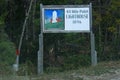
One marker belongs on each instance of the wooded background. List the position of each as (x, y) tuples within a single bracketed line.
[(61, 51)]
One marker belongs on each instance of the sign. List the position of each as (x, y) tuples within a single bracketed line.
[(62, 19), (77, 19), (66, 18)]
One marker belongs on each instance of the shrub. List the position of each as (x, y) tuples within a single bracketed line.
[(7, 53), (76, 61)]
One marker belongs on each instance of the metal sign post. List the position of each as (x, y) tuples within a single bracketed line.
[(93, 52), (40, 55), (40, 52)]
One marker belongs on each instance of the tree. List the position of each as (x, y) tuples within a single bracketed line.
[(7, 48)]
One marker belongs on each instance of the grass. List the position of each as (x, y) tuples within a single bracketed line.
[(101, 68), (58, 26)]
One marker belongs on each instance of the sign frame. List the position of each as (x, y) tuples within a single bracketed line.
[(62, 7)]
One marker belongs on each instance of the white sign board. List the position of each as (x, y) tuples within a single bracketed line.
[(66, 18), (77, 19)]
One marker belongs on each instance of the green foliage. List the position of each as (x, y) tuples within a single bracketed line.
[(7, 56), (7, 49), (112, 29), (118, 21), (97, 17), (3, 11), (106, 26), (3, 35), (76, 61), (71, 62), (2, 17), (37, 22), (7, 53), (27, 68)]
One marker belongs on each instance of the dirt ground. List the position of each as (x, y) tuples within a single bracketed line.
[(112, 75)]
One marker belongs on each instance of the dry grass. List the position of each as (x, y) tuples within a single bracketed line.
[(80, 74)]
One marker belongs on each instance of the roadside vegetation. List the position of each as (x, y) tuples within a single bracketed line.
[(63, 53)]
